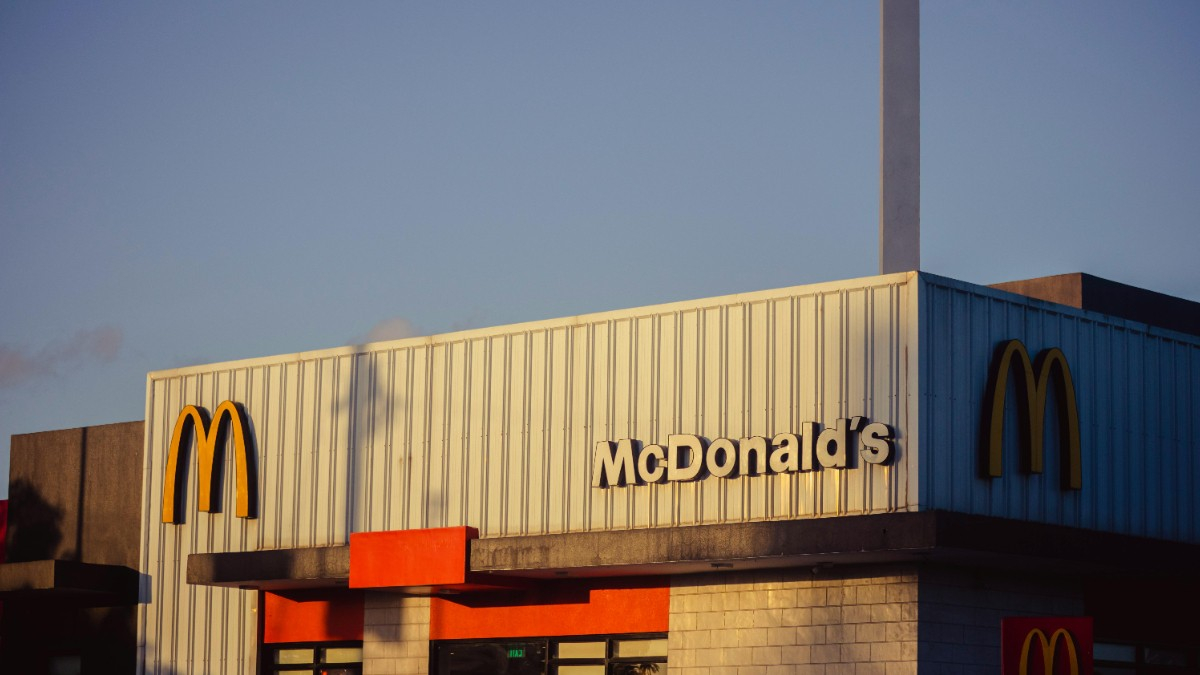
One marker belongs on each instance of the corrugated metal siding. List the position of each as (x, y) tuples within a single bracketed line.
[(496, 429), (1138, 391)]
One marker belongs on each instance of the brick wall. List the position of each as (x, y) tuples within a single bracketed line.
[(395, 635), (860, 621)]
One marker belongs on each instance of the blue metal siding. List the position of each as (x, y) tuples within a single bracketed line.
[(1138, 391)]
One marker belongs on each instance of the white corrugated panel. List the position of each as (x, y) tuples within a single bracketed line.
[(1138, 391), (496, 429)]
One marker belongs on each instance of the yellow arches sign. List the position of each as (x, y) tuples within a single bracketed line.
[(210, 442), (1032, 395), (1046, 645), (1049, 650)]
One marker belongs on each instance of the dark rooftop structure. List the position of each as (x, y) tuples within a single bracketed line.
[(1094, 294)]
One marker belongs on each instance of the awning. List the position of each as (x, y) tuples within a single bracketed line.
[(68, 581), (417, 562), (453, 560), (277, 569)]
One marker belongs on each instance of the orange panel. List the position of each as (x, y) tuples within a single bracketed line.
[(323, 615), (577, 607), (434, 557)]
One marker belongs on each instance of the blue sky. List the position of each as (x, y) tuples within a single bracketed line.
[(184, 183)]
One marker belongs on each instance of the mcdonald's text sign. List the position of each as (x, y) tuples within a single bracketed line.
[(1046, 646), (210, 436)]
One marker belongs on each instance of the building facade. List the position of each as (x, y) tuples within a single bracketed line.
[(895, 474)]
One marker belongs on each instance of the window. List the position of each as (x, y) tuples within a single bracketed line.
[(318, 658), (520, 657), (1113, 658), (590, 655)]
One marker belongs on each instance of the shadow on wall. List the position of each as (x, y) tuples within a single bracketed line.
[(37, 532), (51, 632), (372, 398), (44, 635)]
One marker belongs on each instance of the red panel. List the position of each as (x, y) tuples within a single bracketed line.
[(323, 615), (1028, 644), (3, 535), (3, 528), (436, 557), (577, 607)]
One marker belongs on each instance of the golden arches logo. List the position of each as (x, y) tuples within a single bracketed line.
[(1032, 399), (210, 440), (1049, 651)]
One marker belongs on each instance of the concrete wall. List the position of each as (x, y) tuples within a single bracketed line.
[(75, 494), (395, 635), (1092, 293)]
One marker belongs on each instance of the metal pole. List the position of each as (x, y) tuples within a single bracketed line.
[(900, 136)]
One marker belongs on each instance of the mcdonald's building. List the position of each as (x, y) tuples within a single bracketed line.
[(896, 475)]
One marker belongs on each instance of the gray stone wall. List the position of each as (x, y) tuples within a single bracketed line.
[(960, 613), (872, 620), (857, 621)]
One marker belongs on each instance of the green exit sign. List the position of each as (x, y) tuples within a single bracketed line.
[(516, 652)]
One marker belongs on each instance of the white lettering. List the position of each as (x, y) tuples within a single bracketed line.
[(687, 457), (758, 446), (656, 473), (721, 458), (612, 465), (688, 449), (786, 457), (837, 438), (877, 443)]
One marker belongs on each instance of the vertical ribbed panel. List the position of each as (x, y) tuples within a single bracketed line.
[(1138, 391), (496, 429)]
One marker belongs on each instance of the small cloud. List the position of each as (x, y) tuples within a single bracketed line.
[(98, 345), (103, 343), (395, 328), (475, 319)]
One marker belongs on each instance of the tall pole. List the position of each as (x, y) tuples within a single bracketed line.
[(900, 137)]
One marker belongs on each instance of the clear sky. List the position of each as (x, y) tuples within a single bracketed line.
[(184, 183)]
